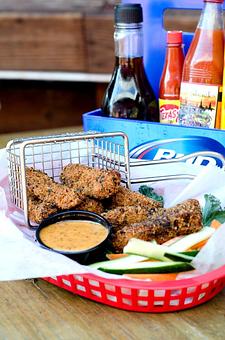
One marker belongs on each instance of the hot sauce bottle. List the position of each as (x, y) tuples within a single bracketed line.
[(203, 69), (129, 94), (169, 88)]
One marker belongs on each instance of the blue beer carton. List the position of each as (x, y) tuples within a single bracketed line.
[(155, 141)]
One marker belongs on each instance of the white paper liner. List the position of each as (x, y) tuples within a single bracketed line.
[(22, 258)]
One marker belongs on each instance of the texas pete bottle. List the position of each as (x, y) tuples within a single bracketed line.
[(169, 87), (203, 69), (129, 94)]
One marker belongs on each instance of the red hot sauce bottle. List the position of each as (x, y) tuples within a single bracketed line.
[(169, 88), (203, 69)]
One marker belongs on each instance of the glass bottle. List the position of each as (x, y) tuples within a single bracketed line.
[(169, 87), (129, 94), (203, 69)]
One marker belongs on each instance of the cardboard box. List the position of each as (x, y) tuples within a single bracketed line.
[(161, 141)]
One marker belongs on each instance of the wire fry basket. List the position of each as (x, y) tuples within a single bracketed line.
[(50, 154), (108, 151)]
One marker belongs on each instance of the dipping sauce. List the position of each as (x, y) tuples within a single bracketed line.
[(74, 235)]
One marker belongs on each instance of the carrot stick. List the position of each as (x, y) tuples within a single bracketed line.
[(215, 224), (153, 277), (172, 240), (115, 256), (198, 245)]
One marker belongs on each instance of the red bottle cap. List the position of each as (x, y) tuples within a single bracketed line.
[(215, 1), (174, 37)]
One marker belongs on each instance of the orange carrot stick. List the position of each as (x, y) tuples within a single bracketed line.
[(115, 256), (153, 277), (215, 224), (172, 240), (198, 245)]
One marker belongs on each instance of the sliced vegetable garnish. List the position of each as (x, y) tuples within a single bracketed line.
[(153, 277), (154, 251), (113, 256), (212, 210), (188, 241), (130, 259), (148, 267)]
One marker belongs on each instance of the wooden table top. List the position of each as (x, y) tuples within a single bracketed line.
[(40, 310)]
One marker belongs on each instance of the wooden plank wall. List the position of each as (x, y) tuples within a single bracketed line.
[(56, 35), (53, 36)]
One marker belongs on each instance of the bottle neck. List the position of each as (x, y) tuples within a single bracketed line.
[(128, 40), (211, 16), (173, 51)]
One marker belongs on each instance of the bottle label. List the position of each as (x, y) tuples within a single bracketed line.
[(169, 110), (198, 105)]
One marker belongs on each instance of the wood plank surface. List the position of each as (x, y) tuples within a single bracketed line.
[(51, 35), (99, 43), (55, 5), (42, 42), (43, 311)]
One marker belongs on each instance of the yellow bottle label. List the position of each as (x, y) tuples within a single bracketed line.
[(219, 109), (168, 110), (198, 104)]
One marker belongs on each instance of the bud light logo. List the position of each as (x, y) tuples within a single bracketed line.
[(178, 147)]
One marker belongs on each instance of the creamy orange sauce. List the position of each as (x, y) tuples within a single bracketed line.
[(73, 235)]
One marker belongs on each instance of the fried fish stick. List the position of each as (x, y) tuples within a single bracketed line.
[(92, 205), (95, 183), (40, 185), (38, 210), (126, 197), (183, 219), (126, 215)]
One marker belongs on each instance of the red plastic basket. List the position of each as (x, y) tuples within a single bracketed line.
[(144, 296)]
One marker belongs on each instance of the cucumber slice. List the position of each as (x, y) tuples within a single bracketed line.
[(148, 267), (154, 251), (179, 257), (189, 241), (145, 248), (192, 253), (130, 259)]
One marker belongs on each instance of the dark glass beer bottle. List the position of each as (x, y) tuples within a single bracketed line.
[(129, 94)]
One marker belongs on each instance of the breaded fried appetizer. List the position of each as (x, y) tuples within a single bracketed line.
[(95, 183), (183, 219), (92, 205), (126, 215), (40, 185), (126, 197), (38, 210)]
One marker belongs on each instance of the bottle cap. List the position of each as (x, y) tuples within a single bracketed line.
[(215, 1), (174, 37), (128, 13)]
